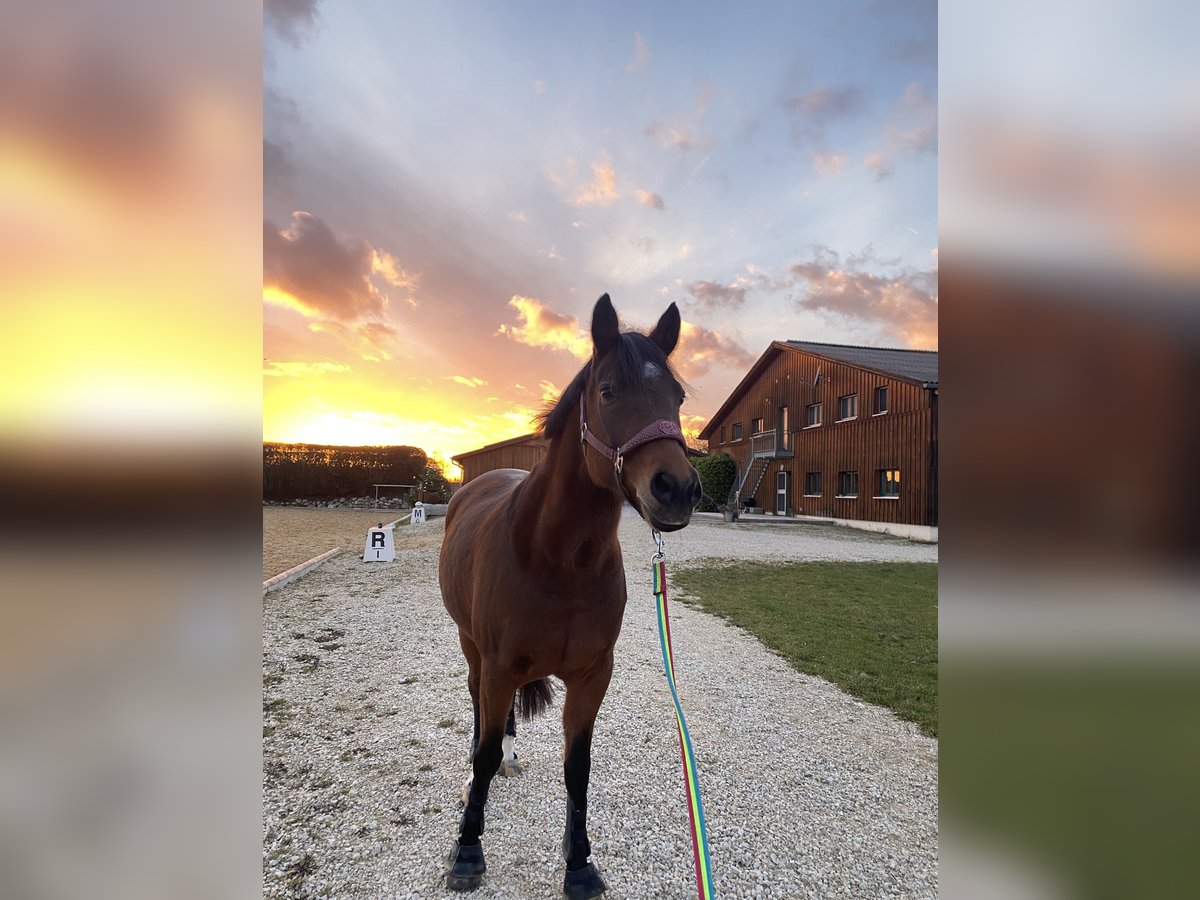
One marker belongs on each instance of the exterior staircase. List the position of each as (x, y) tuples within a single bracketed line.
[(757, 470)]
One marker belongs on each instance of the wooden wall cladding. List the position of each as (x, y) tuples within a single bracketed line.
[(903, 438)]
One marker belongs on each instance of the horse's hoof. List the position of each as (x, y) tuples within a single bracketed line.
[(583, 884), (512, 767), (465, 867)]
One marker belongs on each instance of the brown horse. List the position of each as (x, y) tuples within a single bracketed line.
[(531, 567)]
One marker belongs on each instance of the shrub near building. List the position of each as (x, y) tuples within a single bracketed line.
[(717, 474)]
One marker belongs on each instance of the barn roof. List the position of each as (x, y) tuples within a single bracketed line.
[(534, 438), (918, 366), (915, 365)]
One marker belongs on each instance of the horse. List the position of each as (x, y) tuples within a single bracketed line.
[(531, 569)]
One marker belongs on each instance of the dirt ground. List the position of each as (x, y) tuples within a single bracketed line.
[(294, 534)]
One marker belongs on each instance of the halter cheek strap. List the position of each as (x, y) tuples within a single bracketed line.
[(662, 430)]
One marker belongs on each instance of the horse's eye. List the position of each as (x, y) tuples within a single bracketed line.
[(606, 392)]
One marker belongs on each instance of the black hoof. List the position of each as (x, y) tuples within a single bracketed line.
[(465, 867), (583, 884)]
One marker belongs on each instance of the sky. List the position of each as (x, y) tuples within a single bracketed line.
[(448, 189)]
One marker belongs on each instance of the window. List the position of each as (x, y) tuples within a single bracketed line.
[(847, 484), (737, 431), (812, 415), (722, 434), (881, 400), (812, 484), (756, 425), (888, 483), (848, 407)]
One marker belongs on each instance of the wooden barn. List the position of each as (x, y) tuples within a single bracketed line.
[(838, 432), (515, 453)]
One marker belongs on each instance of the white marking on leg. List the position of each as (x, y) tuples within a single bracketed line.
[(509, 765), (466, 788)]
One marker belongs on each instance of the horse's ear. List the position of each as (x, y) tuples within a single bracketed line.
[(666, 332), (605, 328)]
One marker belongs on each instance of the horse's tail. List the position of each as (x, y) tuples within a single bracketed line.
[(535, 698)]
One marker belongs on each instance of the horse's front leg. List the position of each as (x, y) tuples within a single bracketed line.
[(465, 864), (584, 696)]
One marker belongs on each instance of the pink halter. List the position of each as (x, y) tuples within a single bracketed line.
[(655, 431)]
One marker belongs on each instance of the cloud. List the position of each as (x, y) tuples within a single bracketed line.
[(373, 341), (649, 198), (671, 133), (518, 216), (290, 18), (296, 369), (388, 268), (539, 87), (710, 296), (641, 55), (700, 349), (540, 326), (812, 112), (682, 130), (914, 126), (905, 304), (912, 129), (467, 382), (880, 163), (600, 191), (828, 165), (329, 276)]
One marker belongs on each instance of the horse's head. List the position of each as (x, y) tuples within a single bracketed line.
[(631, 399)]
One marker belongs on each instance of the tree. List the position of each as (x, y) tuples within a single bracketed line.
[(432, 485)]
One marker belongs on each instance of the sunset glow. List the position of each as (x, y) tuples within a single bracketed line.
[(428, 279)]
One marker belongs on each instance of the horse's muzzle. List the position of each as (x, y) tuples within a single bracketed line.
[(674, 500)]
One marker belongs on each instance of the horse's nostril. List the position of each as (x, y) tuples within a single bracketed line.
[(661, 486)]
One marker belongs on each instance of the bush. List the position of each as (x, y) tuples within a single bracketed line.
[(324, 472), (717, 475)]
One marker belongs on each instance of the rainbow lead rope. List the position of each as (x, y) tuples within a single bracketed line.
[(704, 883)]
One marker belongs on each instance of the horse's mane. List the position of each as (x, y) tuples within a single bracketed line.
[(633, 352)]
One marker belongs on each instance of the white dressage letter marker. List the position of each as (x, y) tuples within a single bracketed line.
[(418, 515), (380, 547)]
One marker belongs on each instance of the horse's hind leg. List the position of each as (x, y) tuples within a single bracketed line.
[(473, 665), (465, 865), (584, 696), (509, 765)]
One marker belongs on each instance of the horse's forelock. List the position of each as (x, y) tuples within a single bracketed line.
[(633, 353), (639, 361)]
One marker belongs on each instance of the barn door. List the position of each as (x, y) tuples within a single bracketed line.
[(781, 493)]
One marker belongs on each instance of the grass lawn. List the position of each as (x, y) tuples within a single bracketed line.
[(871, 628)]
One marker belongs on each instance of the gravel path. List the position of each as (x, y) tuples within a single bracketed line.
[(808, 791)]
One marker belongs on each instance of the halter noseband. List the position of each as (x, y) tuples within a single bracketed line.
[(662, 430)]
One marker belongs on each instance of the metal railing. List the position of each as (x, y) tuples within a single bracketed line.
[(768, 444)]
